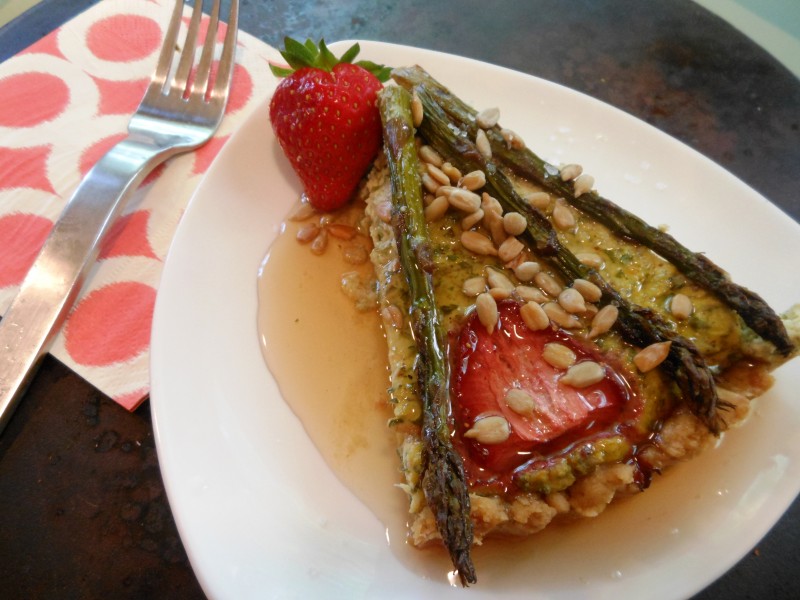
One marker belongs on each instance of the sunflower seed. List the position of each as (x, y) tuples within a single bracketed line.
[(478, 243), (520, 401), (533, 316), (584, 374), (525, 271), (487, 311), (493, 429), (482, 144), (681, 306), (558, 355), (650, 357), (488, 118), (514, 223), (604, 320), (570, 172), (474, 286)]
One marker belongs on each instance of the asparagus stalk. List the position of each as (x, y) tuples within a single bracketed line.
[(753, 310), (444, 481), (638, 325)]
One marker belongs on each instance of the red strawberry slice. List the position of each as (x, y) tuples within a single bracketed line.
[(325, 117), (488, 365)]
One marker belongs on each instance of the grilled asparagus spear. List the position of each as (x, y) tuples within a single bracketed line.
[(753, 310), (444, 481), (638, 325)]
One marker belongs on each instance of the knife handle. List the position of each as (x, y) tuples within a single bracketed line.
[(54, 280)]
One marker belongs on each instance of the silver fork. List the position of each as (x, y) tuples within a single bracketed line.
[(177, 114)]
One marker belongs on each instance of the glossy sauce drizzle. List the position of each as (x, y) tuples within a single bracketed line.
[(330, 362)]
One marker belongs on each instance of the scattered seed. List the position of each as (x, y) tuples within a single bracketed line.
[(525, 271), (570, 172), (563, 218), (430, 183), (589, 291), (583, 184), (496, 279), (500, 293), (540, 200), (590, 259), (482, 144), (533, 316), (478, 243), (474, 180), (472, 219), (650, 357), (488, 118), (681, 306), (512, 140), (491, 204), (437, 174), (453, 173), (604, 320), (558, 355), (464, 200), (520, 401), (547, 283), (487, 311), (584, 374), (514, 223), (320, 243), (561, 317), (307, 233), (510, 249), (474, 286), (591, 309), (342, 231), (571, 301), (436, 209), (417, 112), (430, 156), (493, 429), (530, 294)]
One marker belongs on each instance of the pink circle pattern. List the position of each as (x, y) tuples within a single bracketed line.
[(109, 327)]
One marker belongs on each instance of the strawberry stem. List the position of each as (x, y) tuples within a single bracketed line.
[(317, 56)]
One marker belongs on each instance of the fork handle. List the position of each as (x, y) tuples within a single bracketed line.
[(56, 276)]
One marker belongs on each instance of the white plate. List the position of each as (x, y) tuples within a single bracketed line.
[(243, 478)]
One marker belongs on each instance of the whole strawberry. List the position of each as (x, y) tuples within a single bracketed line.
[(325, 117)]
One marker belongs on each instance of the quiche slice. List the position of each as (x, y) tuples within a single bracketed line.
[(549, 352)]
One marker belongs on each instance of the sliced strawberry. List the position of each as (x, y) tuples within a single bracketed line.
[(488, 365), (325, 117)]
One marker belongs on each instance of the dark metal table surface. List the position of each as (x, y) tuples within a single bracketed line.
[(83, 512)]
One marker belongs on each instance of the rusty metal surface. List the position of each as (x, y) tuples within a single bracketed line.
[(83, 512)]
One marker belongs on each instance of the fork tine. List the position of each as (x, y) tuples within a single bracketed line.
[(204, 68), (227, 59), (168, 47), (187, 54)]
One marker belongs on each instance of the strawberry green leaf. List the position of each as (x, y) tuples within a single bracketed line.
[(382, 72), (280, 71), (351, 53), (318, 56), (328, 59)]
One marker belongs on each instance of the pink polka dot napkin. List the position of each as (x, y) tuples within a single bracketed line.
[(65, 101)]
